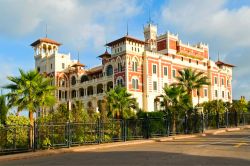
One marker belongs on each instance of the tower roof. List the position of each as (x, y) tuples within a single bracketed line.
[(78, 64), (220, 63), (46, 40), (105, 54), (124, 39)]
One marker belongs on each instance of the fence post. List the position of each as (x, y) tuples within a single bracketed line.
[(14, 141), (124, 130), (235, 119), (202, 122), (167, 126), (68, 133), (244, 120), (227, 123), (217, 120), (98, 130), (147, 126), (186, 123), (35, 137)]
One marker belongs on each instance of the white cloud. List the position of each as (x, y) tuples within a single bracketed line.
[(74, 22), (211, 20), (226, 30), (6, 68)]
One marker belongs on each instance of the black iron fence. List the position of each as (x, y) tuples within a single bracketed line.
[(50, 135)]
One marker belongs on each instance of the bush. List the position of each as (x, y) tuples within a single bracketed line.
[(15, 134)]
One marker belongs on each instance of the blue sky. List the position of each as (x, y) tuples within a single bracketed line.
[(85, 26)]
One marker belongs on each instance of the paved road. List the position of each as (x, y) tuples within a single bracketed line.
[(225, 149)]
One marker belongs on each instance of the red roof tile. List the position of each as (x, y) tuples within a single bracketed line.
[(46, 40), (105, 54), (219, 63), (124, 39)]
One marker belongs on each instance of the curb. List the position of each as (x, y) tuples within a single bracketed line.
[(43, 153), (233, 129), (72, 149)]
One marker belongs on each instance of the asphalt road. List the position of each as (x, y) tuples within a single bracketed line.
[(232, 148)]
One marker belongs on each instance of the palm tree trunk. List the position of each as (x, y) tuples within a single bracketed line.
[(198, 94), (31, 129)]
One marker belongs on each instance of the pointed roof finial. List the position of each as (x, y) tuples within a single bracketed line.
[(149, 17), (78, 59), (218, 56), (127, 29), (46, 31)]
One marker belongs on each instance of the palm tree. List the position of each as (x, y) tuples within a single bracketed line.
[(175, 98), (191, 80), (30, 91), (120, 102)]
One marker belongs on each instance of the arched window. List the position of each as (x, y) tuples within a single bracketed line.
[(73, 94), (109, 70), (90, 90), (119, 81), (62, 83), (81, 91), (99, 88), (119, 67), (109, 85), (134, 65), (84, 78), (73, 80)]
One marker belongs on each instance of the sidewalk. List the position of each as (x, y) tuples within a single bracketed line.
[(84, 148)]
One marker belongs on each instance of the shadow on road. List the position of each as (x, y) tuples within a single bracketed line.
[(128, 158)]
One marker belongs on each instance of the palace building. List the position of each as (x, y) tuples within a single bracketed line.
[(144, 67)]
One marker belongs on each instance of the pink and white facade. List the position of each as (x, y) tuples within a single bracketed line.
[(144, 67)]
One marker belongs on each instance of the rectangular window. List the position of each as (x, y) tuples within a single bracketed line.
[(51, 66), (135, 83), (134, 66), (154, 69), (165, 71), (222, 81), (173, 73), (222, 94), (173, 56), (63, 65), (154, 85), (216, 93), (227, 82), (205, 92), (190, 60), (215, 80), (182, 58)]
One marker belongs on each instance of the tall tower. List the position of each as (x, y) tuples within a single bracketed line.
[(45, 50), (150, 35)]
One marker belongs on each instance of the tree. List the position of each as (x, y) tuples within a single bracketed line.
[(3, 110), (191, 80), (120, 102), (215, 106), (175, 98), (30, 91), (78, 114)]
